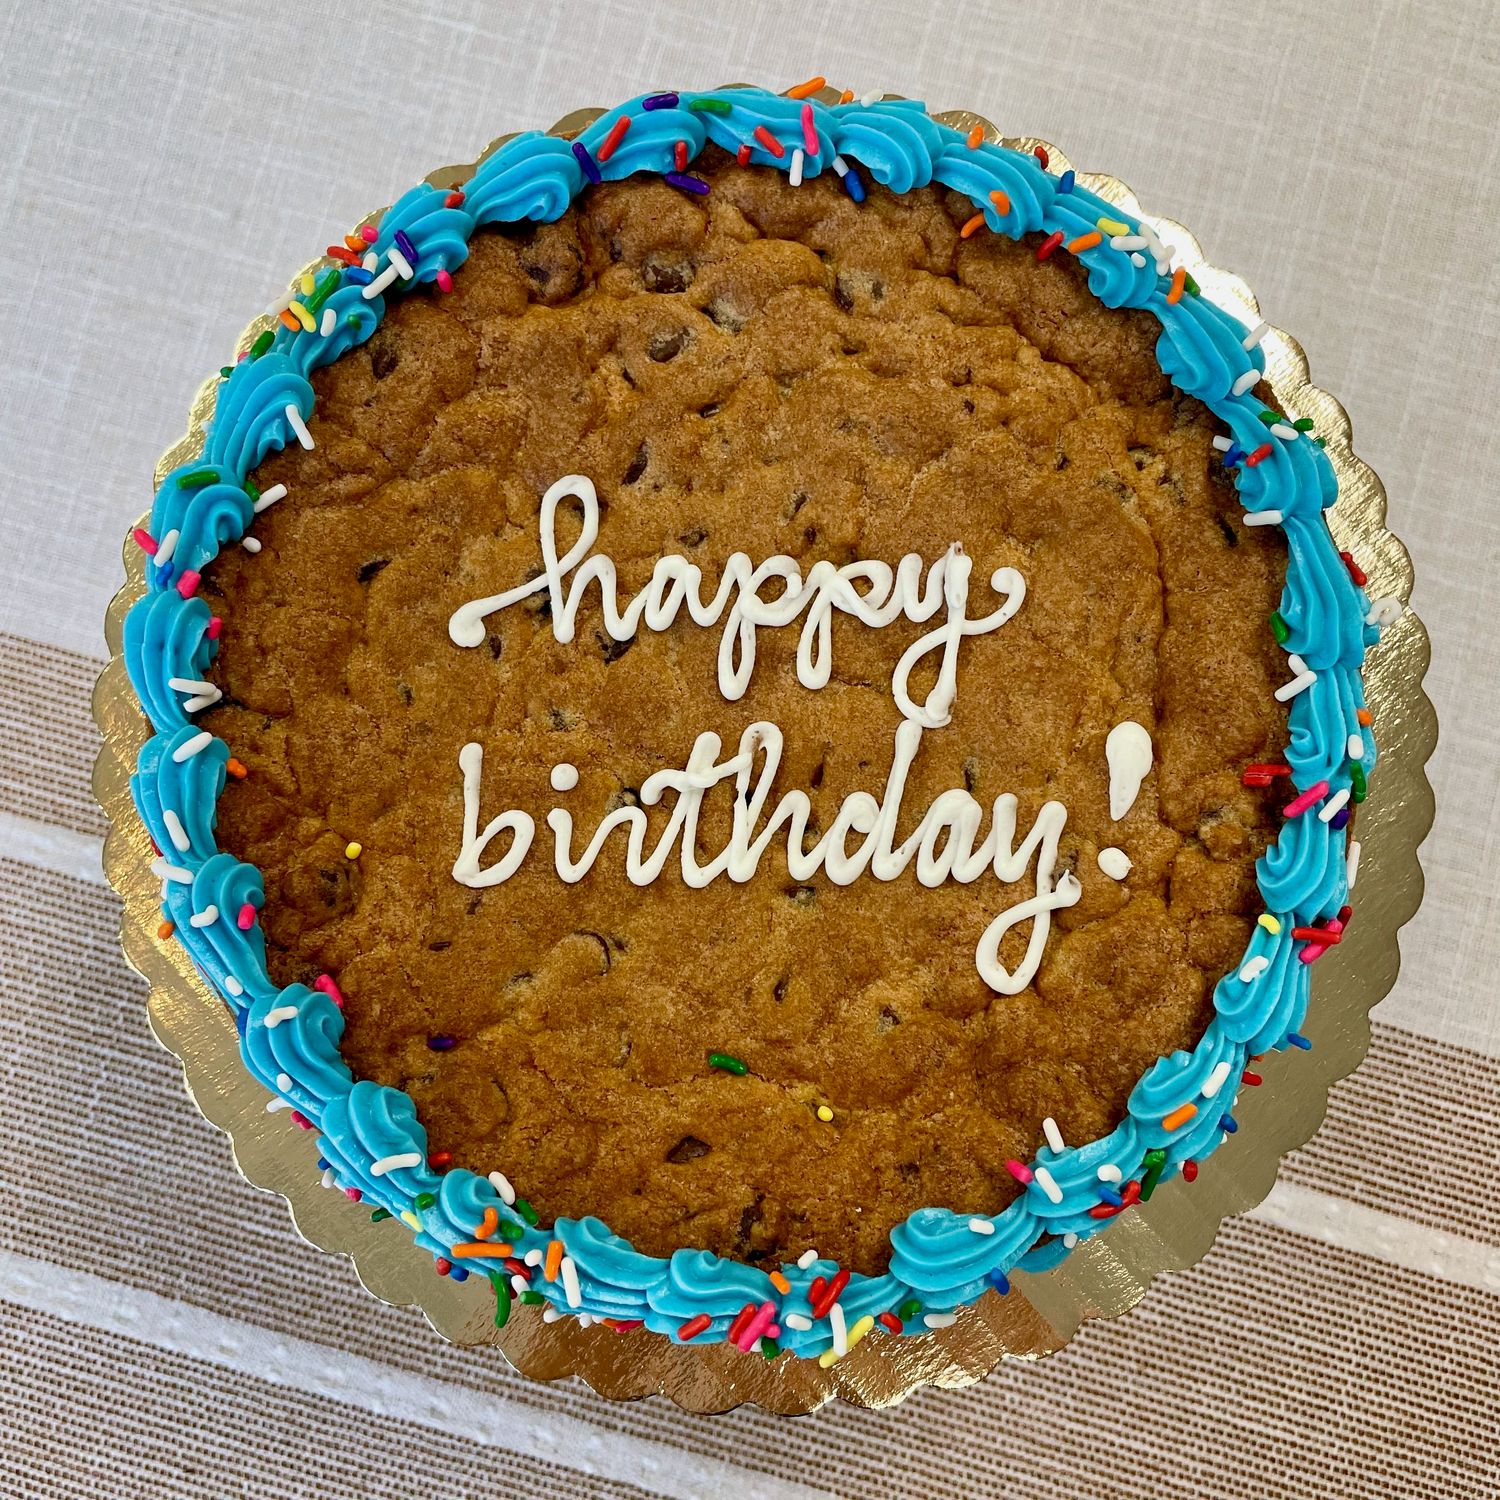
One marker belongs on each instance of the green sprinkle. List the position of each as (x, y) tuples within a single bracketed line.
[(527, 1212), (253, 490), (1279, 628), (502, 1299), (531, 1299), (379, 1214), (263, 342), (769, 1347), (1321, 442), (711, 106), (352, 319), (908, 1309), (508, 1231), (325, 288), (1156, 1164), (1193, 288), (727, 1064), (198, 479), (225, 371), (424, 1200), (1270, 418), (1304, 424), (1357, 781)]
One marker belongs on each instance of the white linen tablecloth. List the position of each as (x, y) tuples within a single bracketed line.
[(164, 165)]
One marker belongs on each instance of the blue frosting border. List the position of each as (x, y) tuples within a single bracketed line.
[(290, 1037)]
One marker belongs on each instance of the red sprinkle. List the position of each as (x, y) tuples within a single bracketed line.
[(680, 156), (889, 1320), (442, 1265), (1345, 913), (187, 585), (1190, 1171), (245, 920), (300, 1120), (830, 1294), (343, 253), (454, 199), (742, 156), (815, 1288), (1019, 1170), (1263, 774), (1131, 1192), (353, 1194), (741, 1322), (444, 280), (1260, 455), (517, 1268), (1325, 936), (613, 139), (1040, 152), (1049, 244), (1253, 1079), (215, 628), (145, 541), (694, 1326), (439, 1159), (1356, 572), (769, 141)]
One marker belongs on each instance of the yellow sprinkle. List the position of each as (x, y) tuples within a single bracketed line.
[(826, 1358), (1113, 226), (824, 1113), (353, 850), (860, 1329), (302, 315), (1269, 922), (306, 282), (410, 1219)]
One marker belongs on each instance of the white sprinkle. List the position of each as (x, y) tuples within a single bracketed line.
[(1295, 662), (1115, 863), (1248, 381), (295, 422), (940, 1320), (1253, 968), (167, 548), (280, 1013), (841, 166), (284, 1082), (370, 261), (501, 1184), (873, 97), (1129, 242), (1351, 865), (1385, 611), (519, 1283), (205, 918), (571, 1290), (981, 1226), (1137, 259), (327, 1179), (533, 1257), (1048, 1184), (1054, 1135), (551, 1314), (164, 871), (1223, 444), (250, 544), (280, 305), (1109, 1172), (1330, 809), (190, 685), (391, 1163), (232, 985), (380, 283), (175, 831), (1070, 1240), (1356, 747), (397, 259), (1263, 518), (1163, 264), (269, 497), (806, 1259), (193, 705), (329, 323), (1285, 433), (1299, 684), (794, 175), (272, 1105), (189, 748), (1254, 337), (838, 1328), (797, 1321), (1215, 1081)]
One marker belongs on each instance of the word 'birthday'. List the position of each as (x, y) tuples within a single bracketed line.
[(945, 844)]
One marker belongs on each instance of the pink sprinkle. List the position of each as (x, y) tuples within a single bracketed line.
[(444, 281), (187, 585), (329, 988), (145, 541), (1300, 803), (353, 1194), (300, 1120), (1309, 951), (215, 628), (760, 1321), (246, 919), (809, 130), (620, 1325), (369, 234), (1019, 1170)]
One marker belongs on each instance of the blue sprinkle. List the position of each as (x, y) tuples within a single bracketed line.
[(1228, 1124), (458, 1274), (1232, 455), (1000, 1281), (1066, 181), (324, 1164), (854, 185), (590, 168), (1111, 1197), (660, 101), (164, 574), (1298, 1040), (405, 246), (358, 276)]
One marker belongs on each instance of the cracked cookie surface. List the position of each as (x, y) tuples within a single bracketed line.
[(767, 370)]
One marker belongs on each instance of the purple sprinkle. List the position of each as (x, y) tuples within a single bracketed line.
[(405, 246), (660, 101), (590, 169), (442, 1043), (1340, 819), (686, 183)]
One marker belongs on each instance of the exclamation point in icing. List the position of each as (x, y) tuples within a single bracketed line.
[(1128, 754)]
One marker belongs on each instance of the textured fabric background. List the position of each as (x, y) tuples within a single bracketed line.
[(164, 164)]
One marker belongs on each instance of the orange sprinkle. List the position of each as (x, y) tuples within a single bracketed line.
[(780, 1282), (974, 224), (553, 1262), (288, 320), (236, 768), (1085, 241), (847, 97), (490, 1225), (1364, 716), (166, 930), (356, 244), (1000, 201), (1179, 280), (975, 138), (1179, 1116), (497, 1251), (804, 89)]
